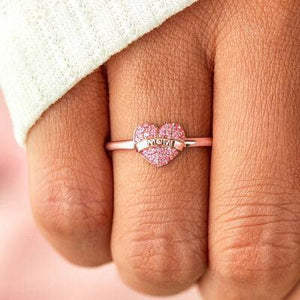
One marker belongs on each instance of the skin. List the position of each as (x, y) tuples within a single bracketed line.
[(226, 218)]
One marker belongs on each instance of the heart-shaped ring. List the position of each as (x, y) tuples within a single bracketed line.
[(161, 145)]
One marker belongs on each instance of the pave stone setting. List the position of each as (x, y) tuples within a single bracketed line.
[(159, 143)]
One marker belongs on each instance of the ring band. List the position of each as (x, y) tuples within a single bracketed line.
[(130, 145), (161, 145)]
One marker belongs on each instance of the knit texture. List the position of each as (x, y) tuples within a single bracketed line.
[(47, 46)]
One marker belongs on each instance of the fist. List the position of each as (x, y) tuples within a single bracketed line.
[(226, 218)]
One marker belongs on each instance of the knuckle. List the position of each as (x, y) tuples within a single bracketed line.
[(68, 206), (260, 232), (165, 247), (273, 23), (161, 262), (242, 262)]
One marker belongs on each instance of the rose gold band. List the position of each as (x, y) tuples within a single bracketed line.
[(130, 145)]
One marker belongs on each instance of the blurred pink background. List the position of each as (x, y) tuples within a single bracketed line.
[(29, 268)]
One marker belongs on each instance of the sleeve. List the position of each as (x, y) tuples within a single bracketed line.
[(47, 46)]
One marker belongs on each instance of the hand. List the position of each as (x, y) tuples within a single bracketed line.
[(233, 66)]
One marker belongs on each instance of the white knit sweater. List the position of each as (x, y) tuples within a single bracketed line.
[(47, 46)]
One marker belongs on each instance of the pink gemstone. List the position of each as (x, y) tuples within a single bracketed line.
[(159, 155)]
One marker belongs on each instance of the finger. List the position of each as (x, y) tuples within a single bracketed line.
[(70, 174), (159, 238), (294, 293), (255, 204)]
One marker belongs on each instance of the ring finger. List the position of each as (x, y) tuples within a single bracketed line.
[(159, 238)]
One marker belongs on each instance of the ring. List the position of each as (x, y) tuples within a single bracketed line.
[(159, 146)]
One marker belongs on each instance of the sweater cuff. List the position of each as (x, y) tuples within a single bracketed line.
[(46, 47)]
